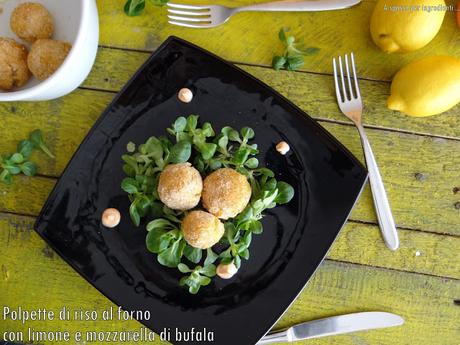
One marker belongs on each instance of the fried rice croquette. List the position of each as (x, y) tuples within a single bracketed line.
[(46, 56), (31, 21), (226, 193), (13, 64), (180, 186), (201, 229)]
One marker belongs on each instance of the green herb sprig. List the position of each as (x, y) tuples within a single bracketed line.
[(143, 169), (18, 162), (198, 277), (267, 194), (228, 149), (293, 56), (136, 7), (209, 151)]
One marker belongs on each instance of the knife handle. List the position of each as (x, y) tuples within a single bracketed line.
[(277, 337)]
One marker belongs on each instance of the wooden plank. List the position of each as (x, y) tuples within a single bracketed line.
[(314, 93), (26, 195), (425, 302), (421, 252), (64, 123), (420, 172), (253, 37), (47, 282)]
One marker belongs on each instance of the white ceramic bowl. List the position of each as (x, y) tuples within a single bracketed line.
[(76, 22)]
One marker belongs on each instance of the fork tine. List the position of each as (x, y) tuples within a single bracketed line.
[(188, 7), (191, 19), (197, 25), (189, 13), (358, 95), (348, 77), (344, 90), (336, 81)]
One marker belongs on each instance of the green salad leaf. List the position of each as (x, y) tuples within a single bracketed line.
[(136, 7), (18, 162), (180, 152), (293, 56), (166, 240), (198, 277), (36, 138), (193, 254), (209, 151)]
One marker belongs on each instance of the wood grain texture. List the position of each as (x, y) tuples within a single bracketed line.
[(64, 123), (314, 93), (420, 173), (420, 252), (426, 253), (425, 302), (26, 195), (240, 40)]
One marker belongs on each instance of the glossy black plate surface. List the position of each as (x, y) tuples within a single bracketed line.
[(296, 237)]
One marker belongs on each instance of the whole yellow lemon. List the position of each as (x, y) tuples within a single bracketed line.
[(426, 87), (406, 25)]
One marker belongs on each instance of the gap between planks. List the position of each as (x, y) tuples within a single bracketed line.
[(355, 220), (345, 122), (242, 63), (322, 119), (33, 218), (390, 269)]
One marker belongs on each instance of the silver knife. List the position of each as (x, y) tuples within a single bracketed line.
[(334, 325)]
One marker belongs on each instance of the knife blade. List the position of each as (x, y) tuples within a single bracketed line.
[(334, 325)]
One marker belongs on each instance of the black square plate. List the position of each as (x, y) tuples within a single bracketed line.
[(296, 237)]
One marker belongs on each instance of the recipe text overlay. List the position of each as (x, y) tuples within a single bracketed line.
[(32, 334)]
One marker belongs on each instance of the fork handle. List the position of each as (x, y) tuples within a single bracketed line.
[(382, 206), (300, 5)]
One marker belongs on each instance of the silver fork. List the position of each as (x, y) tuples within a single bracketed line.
[(208, 16), (351, 105)]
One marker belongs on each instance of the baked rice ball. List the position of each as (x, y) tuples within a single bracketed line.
[(201, 229), (226, 193), (13, 64), (180, 186), (46, 56), (31, 21)]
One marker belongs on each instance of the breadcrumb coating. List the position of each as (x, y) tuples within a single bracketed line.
[(180, 186), (13, 64), (201, 229), (46, 56), (31, 21), (226, 193)]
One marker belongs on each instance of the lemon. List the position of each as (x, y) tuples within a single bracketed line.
[(406, 25), (426, 87)]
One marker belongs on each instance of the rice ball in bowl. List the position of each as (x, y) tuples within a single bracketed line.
[(201, 229), (13, 64), (180, 186), (75, 22), (226, 193), (32, 21), (46, 56)]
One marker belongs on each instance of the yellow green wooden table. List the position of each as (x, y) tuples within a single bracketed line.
[(419, 160)]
